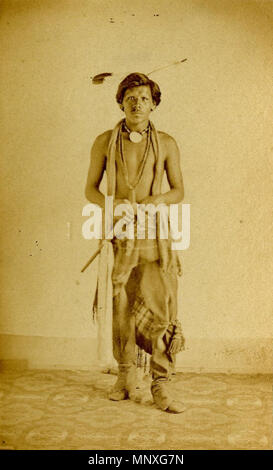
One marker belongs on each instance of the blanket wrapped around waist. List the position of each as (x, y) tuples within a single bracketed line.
[(151, 291)]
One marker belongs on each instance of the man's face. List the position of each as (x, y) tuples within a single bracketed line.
[(137, 104)]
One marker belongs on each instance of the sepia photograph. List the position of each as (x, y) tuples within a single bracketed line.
[(136, 227)]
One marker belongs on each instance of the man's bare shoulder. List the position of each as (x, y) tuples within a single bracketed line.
[(102, 140), (167, 141)]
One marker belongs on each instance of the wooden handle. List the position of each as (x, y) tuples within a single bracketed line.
[(92, 258)]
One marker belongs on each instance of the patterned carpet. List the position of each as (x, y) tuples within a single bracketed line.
[(45, 409)]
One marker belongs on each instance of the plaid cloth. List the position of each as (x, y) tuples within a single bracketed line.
[(144, 318)]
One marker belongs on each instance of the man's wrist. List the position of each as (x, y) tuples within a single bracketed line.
[(160, 200), (117, 202)]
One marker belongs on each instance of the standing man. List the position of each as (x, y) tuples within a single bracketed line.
[(135, 157)]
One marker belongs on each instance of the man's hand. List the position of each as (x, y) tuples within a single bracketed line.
[(120, 201), (155, 200), (129, 216)]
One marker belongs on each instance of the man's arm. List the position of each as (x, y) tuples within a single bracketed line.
[(174, 176), (96, 170)]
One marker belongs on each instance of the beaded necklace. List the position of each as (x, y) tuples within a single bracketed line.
[(132, 186), (135, 136)]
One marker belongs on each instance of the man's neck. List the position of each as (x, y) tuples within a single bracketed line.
[(139, 127)]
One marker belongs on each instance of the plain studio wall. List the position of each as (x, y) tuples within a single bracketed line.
[(218, 106)]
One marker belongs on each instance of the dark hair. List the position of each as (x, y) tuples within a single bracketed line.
[(138, 79)]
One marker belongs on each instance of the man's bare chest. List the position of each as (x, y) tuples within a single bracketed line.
[(135, 168), (136, 156)]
